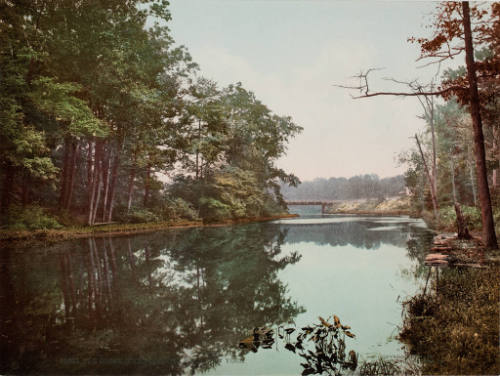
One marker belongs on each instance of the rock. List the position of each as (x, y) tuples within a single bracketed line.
[(440, 244), (444, 237), (436, 259), (440, 249), (435, 256)]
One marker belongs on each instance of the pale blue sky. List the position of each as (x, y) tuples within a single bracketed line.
[(290, 52)]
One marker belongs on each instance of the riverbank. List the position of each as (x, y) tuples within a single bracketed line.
[(116, 229), (452, 326), (452, 323), (374, 207)]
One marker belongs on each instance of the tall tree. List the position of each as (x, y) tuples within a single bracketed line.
[(489, 236)]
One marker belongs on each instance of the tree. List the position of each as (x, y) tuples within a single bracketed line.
[(489, 236), (452, 37)]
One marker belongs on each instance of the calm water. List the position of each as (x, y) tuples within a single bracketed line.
[(179, 301)]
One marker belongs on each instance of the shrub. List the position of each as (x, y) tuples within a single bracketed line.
[(471, 214), (136, 215), (31, 217), (177, 208), (212, 210)]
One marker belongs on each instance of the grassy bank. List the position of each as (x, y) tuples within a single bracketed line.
[(453, 325), (120, 229), (454, 328)]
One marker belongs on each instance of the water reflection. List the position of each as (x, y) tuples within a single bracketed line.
[(163, 303), (365, 233), (180, 301)]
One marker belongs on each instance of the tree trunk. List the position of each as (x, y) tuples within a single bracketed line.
[(89, 164), (429, 178), (496, 155), (99, 174), (25, 196), (130, 188), (8, 181), (65, 172), (92, 185), (471, 176), (197, 151), (105, 180), (462, 230), (434, 151), (112, 187), (147, 184), (71, 178), (489, 237), (453, 185)]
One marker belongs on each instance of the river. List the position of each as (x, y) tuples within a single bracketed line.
[(179, 301)]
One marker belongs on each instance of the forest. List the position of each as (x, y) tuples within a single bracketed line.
[(356, 187), (104, 119)]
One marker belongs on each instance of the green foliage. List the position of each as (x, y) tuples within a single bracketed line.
[(229, 193), (29, 218), (139, 215), (212, 210), (177, 208), (472, 216), (58, 100), (90, 87)]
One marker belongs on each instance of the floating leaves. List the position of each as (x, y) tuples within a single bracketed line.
[(322, 346), (261, 337)]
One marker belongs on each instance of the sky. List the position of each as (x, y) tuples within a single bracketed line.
[(290, 53)]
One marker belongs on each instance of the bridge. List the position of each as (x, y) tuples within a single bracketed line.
[(323, 204)]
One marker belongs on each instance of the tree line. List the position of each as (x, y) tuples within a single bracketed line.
[(96, 107), (356, 187)]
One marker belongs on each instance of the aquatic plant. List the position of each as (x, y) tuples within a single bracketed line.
[(321, 346)]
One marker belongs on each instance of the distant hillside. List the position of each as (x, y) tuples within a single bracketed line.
[(357, 187)]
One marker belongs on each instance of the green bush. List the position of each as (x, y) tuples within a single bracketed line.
[(228, 193), (31, 217), (212, 210), (137, 215), (177, 208)]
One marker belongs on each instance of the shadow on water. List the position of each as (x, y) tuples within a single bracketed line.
[(162, 303)]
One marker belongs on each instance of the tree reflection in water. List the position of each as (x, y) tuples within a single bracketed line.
[(360, 232), (168, 303)]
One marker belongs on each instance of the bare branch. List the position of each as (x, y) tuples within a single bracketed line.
[(418, 90), (403, 94)]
